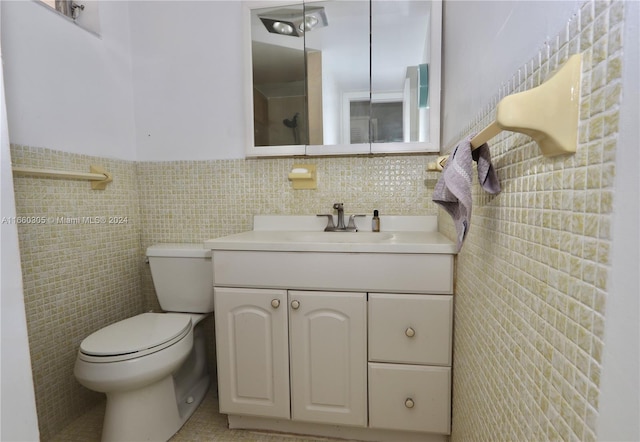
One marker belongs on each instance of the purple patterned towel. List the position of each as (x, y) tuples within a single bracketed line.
[(487, 175), (453, 190)]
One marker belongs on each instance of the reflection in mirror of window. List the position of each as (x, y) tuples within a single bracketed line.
[(376, 122), (66, 7), (83, 13)]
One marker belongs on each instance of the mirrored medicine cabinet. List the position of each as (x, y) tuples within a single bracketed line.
[(342, 77)]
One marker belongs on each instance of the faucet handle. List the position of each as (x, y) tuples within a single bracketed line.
[(330, 226), (352, 223)]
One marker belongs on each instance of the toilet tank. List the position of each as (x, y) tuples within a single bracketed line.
[(182, 276)]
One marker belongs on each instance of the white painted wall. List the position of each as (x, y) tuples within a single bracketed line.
[(66, 88), (188, 79), (18, 418), (484, 44)]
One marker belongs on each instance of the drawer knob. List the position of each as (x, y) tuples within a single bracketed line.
[(275, 303), (295, 304), (409, 403), (410, 332)]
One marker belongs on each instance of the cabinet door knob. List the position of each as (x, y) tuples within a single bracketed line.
[(410, 332), (409, 403), (275, 303), (295, 304)]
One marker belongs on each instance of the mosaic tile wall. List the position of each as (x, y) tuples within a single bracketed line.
[(81, 277), (191, 201), (78, 277), (532, 275)]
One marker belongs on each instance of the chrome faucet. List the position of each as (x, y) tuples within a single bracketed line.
[(340, 208), (331, 227)]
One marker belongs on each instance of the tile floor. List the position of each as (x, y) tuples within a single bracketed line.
[(206, 424)]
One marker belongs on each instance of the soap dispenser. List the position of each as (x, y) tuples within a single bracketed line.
[(375, 222)]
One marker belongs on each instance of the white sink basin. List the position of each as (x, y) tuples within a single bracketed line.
[(402, 234)]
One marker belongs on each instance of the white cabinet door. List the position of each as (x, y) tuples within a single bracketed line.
[(252, 351), (328, 342)]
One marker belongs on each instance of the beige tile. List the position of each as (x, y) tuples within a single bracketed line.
[(563, 318)]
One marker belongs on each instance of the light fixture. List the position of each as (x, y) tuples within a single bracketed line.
[(293, 22)]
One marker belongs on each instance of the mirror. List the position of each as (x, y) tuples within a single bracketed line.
[(400, 55), (343, 71), (279, 80), (344, 76)]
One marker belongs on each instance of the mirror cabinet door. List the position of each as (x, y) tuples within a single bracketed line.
[(344, 77), (278, 81), (402, 62)]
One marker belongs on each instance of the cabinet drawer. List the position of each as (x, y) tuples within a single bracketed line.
[(410, 397), (413, 329)]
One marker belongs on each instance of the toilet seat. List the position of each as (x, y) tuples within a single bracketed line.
[(135, 337)]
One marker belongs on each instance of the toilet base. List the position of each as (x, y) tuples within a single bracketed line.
[(196, 396), (157, 411), (150, 413)]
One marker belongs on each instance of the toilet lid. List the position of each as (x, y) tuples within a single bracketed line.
[(133, 335)]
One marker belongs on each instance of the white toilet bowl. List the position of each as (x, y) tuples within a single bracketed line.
[(137, 363), (153, 366)]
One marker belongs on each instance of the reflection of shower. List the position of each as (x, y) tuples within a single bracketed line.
[(293, 124)]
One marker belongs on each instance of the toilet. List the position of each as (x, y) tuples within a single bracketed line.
[(153, 366)]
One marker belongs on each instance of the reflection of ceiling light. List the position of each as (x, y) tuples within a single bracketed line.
[(282, 28), (292, 22), (310, 22)]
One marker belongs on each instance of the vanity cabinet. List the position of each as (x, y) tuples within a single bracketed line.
[(292, 354), (345, 335)]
